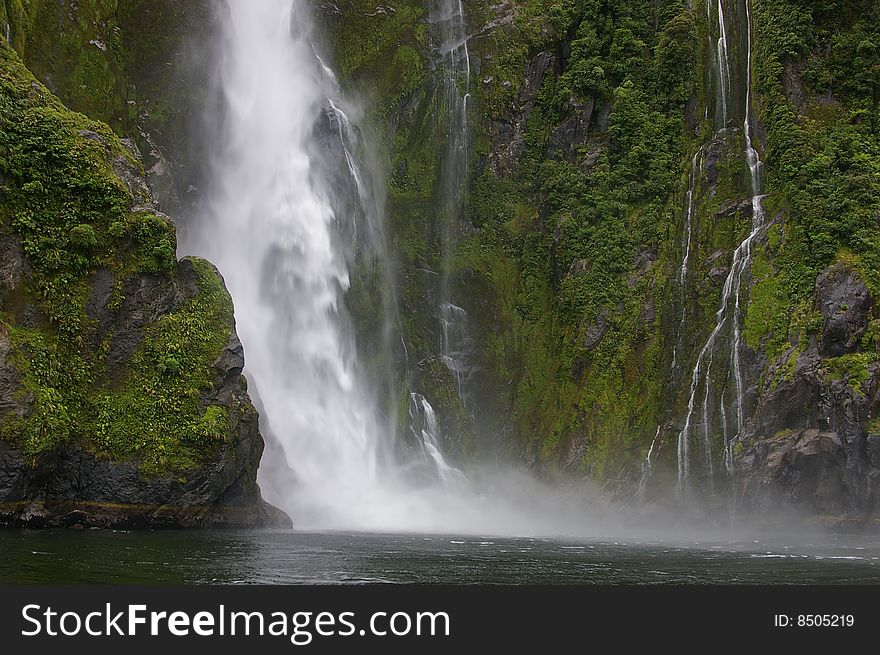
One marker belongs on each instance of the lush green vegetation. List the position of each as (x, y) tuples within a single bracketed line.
[(818, 77), (570, 249), (587, 234), (62, 199), (111, 60), (589, 240)]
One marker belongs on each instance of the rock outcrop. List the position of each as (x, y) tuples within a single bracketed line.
[(811, 447), (122, 400)]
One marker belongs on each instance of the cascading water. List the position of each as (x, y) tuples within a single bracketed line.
[(287, 214), (274, 233), (452, 57), (723, 66), (423, 422), (686, 242), (647, 467), (728, 317)]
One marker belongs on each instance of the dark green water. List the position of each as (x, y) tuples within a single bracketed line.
[(71, 557)]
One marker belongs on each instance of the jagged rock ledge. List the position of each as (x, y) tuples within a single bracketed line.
[(38, 514)]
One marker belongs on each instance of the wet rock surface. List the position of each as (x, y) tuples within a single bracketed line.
[(843, 300), (809, 447), (507, 135), (71, 486)]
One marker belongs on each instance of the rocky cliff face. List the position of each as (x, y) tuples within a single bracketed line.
[(122, 401), (592, 123), (813, 443)]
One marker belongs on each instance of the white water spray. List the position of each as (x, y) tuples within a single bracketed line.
[(274, 234)]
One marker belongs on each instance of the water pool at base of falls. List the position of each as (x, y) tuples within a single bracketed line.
[(291, 557)]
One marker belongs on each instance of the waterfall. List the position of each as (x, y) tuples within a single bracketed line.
[(292, 213), (291, 207), (723, 65), (452, 58), (647, 467), (423, 422), (686, 241), (758, 220), (728, 318), (274, 234)]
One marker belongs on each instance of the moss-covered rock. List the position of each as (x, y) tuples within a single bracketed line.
[(120, 368)]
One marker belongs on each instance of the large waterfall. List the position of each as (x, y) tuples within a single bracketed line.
[(273, 228), (292, 216)]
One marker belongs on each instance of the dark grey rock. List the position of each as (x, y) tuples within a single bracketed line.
[(100, 294), (70, 485), (803, 470), (808, 449), (507, 134), (12, 266), (843, 300), (572, 134), (603, 117), (718, 274), (714, 257), (574, 452), (596, 332), (715, 152), (649, 312), (736, 207)]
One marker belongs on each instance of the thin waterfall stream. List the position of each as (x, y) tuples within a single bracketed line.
[(452, 58), (728, 317)]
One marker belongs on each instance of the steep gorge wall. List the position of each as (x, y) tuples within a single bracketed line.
[(586, 121)]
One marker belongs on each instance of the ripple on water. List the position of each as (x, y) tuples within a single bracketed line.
[(297, 558)]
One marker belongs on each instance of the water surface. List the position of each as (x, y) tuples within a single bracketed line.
[(294, 557)]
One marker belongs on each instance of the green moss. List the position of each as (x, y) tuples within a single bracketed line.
[(568, 237), (13, 22), (155, 414), (786, 370), (767, 316), (558, 240), (59, 193), (851, 368), (823, 157), (71, 212), (366, 39)]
